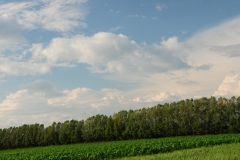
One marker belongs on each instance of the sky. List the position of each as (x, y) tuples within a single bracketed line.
[(73, 59)]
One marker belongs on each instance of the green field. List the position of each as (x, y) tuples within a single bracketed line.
[(118, 149), (223, 152)]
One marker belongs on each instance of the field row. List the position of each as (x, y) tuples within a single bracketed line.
[(224, 151), (111, 150)]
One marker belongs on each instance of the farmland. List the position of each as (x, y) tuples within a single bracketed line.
[(118, 149), (224, 151)]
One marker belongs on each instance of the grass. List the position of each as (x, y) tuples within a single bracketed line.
[(220, 152)]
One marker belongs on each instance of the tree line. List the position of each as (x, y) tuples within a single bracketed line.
[(185, 117)]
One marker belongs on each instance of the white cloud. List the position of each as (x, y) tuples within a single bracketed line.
[(164, 97), (204, 50), (86, 97), (171, 43), (41, 102), (230, 86), (12, 101), (11, 66), (103, 52), (26, 60), (224, 34), (116, 54), (54, 15), (157, 98), (30, 105)]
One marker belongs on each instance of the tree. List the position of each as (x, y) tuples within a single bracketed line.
[(120, 122)]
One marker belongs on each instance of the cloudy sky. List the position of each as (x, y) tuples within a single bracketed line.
[(72, 59)]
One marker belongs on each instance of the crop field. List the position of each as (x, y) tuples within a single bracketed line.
[(117, 149), (224, 151)]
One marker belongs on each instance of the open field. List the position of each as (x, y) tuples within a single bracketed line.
[(118, 149), (223, 152)]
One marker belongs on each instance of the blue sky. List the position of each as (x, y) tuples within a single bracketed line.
[(77, 58)]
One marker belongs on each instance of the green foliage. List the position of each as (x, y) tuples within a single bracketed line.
[(118, 149)]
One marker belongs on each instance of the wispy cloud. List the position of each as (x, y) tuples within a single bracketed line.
[(116, 28), (137, 16), (54, 15), (184, 32), (160, 7), (133, 16), (111, 10)]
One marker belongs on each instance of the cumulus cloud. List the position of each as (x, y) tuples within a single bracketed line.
[(41, 102), (118, 55), (110, 53), (164, 96), (30, 105), (171, 43), (54, 15), (103, 53), (86, 97), (12, 101), (157, 98), (230, 86), (23, 107), (22, 60)]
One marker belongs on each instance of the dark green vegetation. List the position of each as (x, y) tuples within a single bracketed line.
[(117, 149), (186, 117)]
